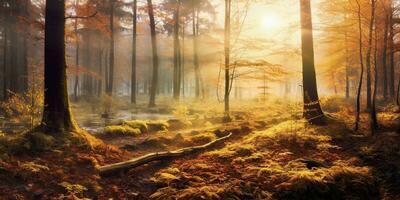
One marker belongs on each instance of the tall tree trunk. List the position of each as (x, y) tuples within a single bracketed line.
[(368, 56), (134, 30), (25, 50), (5, 55), (100, 79), (312, 109), (195, 50), (392, 51), (347, 65), (76, 84), (177, 53), (183, 59), (154, 80), (384, 57), (398, 93), (227, 55), (361, 66), (112, 51), (106, 70), (374, 120), (56, 114)]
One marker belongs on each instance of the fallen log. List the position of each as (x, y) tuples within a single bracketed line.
[(108, 169)]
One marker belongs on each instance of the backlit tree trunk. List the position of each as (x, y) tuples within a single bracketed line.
[(177, 53), (133, 75), (384, 57), (112, 47), (312, 109), (358, 103), (195, 49), (227, 55), (368, 56), (76, 84), (56, 114), (154, 80)]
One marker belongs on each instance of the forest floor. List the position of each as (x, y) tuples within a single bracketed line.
[(272, 154)]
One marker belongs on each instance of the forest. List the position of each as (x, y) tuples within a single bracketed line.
[(200, 99)]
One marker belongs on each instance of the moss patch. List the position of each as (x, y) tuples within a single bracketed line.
[(121, 131)]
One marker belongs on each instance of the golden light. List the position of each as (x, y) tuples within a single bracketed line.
[(269, 21)]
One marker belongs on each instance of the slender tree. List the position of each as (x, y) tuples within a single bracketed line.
[(177, 52), (391, 50), (368, 56), (384, 57), (195, 21), (110, 85), (134, 30), (374, 120), (227, 55), (76, 84), (312, 109), (361, 66), (5, 51), (154, 81)]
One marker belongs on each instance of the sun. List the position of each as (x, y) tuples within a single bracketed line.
[(269, 21)]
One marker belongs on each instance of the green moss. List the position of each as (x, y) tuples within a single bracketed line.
[(139, 124), (157, 126), (147, 126), (121, 131)]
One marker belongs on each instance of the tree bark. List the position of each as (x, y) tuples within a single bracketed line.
[(347, 65), (374, 120), (392, 51), (312, 109), (368, 56), (5, 55), (154, 80), (227, 56), (195, 49), (361, 66), (177, 53), (133, 74), (56, 114), (112, 51), (76, 84), (384, 57)]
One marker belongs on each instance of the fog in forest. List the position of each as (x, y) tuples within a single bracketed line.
[(200, 99)]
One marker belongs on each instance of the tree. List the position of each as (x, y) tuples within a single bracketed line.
[(374, 119), (368, 56), (57, 116), (358, 103), (110, 77), (312, 109), (195, 30), (154, 80), (134, 30), (177, 52), (76, 84), (227, 56)]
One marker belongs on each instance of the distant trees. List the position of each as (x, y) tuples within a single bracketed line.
[(15, 18), (312, 109)]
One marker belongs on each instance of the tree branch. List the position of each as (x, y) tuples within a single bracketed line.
[(109, 169), (81, 17)]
